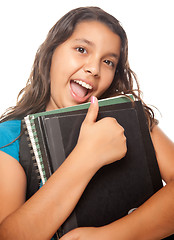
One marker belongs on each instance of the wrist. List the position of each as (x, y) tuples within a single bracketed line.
[(86, 158)]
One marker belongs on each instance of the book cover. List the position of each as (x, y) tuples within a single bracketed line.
[(116, 188)]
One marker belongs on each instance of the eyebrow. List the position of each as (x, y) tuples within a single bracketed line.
[(116, 56), (84, 40)]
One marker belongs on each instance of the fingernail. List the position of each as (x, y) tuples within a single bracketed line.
[(93, 99)]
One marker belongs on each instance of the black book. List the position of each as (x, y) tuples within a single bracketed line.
[(116, 189)]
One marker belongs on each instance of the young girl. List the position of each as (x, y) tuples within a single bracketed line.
[(84, 57)]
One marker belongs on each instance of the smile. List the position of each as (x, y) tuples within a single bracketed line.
[(80, 90), (83, 84)]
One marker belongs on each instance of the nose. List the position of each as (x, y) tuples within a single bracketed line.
[(92, 66)]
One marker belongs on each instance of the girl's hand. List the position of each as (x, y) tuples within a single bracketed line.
[(84, 233), (103, 141)]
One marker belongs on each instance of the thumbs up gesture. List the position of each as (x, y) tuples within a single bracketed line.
[(104, 140)]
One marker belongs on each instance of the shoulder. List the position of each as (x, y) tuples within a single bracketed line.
[(9, 131), (10, 125), (159, 138), (164, 149)]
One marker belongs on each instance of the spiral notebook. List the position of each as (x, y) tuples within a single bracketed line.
[(116, 189)]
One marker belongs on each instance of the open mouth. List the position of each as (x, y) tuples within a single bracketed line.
[(80, 88)]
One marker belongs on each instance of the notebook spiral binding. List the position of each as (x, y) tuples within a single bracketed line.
[(31, 151), (35, 148)]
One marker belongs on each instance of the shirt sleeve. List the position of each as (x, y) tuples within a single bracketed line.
[(9, 131)]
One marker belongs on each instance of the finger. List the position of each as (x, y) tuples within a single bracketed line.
[(92, 113)]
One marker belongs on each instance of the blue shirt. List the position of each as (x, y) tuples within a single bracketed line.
[(9, 131)]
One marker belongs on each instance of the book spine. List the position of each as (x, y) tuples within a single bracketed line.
[(28, 141), (29, 121)]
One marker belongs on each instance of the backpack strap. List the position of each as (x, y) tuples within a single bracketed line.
[(27, 161)]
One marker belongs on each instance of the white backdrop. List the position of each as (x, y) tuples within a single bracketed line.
[(149, 26)]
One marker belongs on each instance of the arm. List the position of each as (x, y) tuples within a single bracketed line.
[(40, 216), (155, 218), (43, 213)]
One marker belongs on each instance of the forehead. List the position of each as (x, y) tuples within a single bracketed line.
[(96, 33)]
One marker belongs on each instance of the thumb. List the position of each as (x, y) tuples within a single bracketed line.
[(92, 113)]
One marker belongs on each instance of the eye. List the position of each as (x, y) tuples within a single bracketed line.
[(81, 50), (109, 63)]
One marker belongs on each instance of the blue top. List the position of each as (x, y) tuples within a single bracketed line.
[(9, 131)]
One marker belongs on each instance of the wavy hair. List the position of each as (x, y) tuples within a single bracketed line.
[(35, 96)]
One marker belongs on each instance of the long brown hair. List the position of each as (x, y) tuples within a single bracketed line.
[(35, 96)]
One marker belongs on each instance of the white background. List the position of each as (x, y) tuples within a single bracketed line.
[(149, 25)]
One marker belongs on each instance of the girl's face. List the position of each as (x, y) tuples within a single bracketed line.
[(84, 65)]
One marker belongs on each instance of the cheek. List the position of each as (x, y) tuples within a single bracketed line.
[(104, 86), (107, 82), (59, 65)]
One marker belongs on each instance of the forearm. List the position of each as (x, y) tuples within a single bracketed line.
[(41, 216), (153, 220)]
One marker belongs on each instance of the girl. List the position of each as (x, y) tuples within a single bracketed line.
[(85, 47)]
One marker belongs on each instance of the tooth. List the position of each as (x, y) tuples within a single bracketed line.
[(89, 87), (83, 84)]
